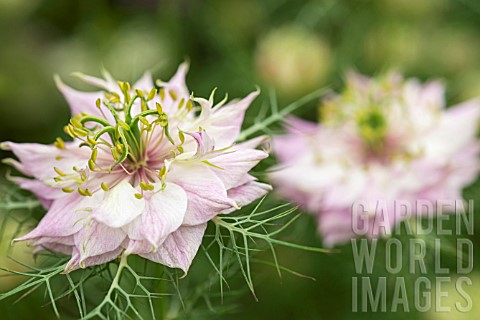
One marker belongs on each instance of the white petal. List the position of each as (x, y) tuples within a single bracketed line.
[(163, 214), (119, 206)]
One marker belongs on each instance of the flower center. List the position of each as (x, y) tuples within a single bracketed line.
[(372, 127), (126, 135)]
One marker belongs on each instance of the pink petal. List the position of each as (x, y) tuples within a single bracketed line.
[(64, 218), (253, 143), (206, 193), (163, 214), (55, 247), (81, 101), (176, 84), (297, 125), (293, 145), (179, 248), (235, 165), (458, 126), (39, 160), (249, 192), (224, 123), (75, 262), (205, 143), (107, 84), (145, 83), (96, 238)]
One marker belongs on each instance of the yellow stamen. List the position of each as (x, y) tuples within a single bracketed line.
[(181, 136), (181, 103), (68, 130), (60, 172), (163, 119), (91, 141), (94, 154), (147, 186), (189, 105), (58, 157), (161, 93), (76, 123), (91, 164), (104, 187), (119, 147), (144, 105), (80, 132), (59, 143), (144, 121), (162, 171), (152, 94), (124, 125), (112, 97), (67, 190), (173, 94), (138, 195), (159, 108)]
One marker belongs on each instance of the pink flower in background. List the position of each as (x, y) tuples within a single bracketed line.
[(383, 139), (147, 169)]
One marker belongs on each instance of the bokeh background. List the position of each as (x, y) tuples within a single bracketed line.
[(289, 46)]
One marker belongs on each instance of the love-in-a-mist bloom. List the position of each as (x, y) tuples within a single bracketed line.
[(147, 169), (381, 142)]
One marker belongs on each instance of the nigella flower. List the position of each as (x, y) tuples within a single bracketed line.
[(147, 169), (381, 142)]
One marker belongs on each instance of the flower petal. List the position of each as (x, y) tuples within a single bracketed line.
[(80, 101), (224, 123), (163, 214), (249, 192), (205, 144), (119, 206), (39, 160), (96, 239), (64, 218), (145, 83), (55, 247), (179, 248), (177, 85), (235, 165), (76, 262), (206, 193)]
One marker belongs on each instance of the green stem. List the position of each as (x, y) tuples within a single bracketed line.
[(128, 116), (94, 119), (281, 114), (29, 204)]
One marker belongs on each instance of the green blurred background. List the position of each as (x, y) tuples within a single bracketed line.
[(291, 46)]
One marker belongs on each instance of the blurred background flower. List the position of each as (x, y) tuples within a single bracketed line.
[(293, 60)]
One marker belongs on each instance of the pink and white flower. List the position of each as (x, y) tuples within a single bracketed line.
[(145, 172), (385, 139)]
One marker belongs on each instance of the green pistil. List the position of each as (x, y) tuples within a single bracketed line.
[(127, 132)]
